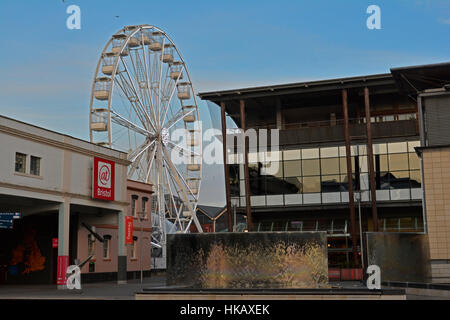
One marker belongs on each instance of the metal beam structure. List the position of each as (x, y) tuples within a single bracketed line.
[(248, 208), (351, 199), (225, 166)]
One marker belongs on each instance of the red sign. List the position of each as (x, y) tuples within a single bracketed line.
[(63, 263), (55, 243), (103, 184), (128, 230)]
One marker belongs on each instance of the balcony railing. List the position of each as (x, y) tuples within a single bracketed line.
[(334, 122)]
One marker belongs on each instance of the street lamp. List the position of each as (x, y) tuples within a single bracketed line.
[(141, 219)]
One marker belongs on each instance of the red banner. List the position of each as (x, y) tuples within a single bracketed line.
[(63, 263), (55, 243), (103, 184), (128, 230)]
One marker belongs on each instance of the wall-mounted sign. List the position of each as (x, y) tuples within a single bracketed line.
[(55, 243), (6, 224), (103, 184), (7, 218), (128, 230), (9, 215)]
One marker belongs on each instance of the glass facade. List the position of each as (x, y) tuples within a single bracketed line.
[(319, 175)]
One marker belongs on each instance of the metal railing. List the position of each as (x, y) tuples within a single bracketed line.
[(331, 122)]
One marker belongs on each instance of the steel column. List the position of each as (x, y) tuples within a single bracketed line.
[(373, 194), (247, 176), (225, 167), (351, 198)]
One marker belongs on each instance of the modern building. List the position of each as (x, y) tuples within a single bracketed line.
[(61, 187), (430, 86), (317, 175)]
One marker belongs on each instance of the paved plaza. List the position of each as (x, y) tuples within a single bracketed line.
[(113, 291)]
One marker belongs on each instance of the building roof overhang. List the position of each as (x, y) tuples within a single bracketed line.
[(415, 79), (322, 86)]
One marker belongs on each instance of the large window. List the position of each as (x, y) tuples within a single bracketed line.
[(315, 175)]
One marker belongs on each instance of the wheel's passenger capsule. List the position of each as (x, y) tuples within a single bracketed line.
[(118, 40), (193, 184), (184, 91), (168, 53), (176, 70), (99, 119), (101, 89), (108, 63), (194, 164), (146, 37), (156, 44), (189, 112)]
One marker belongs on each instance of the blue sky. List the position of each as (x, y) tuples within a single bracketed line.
[(46, 69)]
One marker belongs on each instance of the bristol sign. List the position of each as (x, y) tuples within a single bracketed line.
[(103, 179)]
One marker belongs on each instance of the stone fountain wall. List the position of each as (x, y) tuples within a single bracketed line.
[(401, 256), (248, 260)]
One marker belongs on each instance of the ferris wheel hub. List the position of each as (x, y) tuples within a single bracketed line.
[(164, 136)]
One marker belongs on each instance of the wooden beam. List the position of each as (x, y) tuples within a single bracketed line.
[(348, 156), (373, 194)]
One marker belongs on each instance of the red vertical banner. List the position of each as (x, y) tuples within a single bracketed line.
[(55, 243), (128, 230), (63, 263), (103, 179)]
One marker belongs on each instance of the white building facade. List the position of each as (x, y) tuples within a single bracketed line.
[(50, 175)]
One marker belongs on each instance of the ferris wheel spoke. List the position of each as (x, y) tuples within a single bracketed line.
[(159, 80), (178, 117), (151, 163), (140, 73), (179, 179), (140, 150), (150, 104), (180, 148), (171, 95), (138, 99), (134, 166), (118, 119), (177, 176), (126, 88), (177, 211)]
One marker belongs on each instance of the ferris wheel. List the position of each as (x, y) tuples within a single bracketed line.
[(143, 103)]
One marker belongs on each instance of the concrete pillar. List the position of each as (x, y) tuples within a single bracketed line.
[(122, 250), (63, 243)]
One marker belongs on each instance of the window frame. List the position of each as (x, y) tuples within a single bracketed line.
[(39, 165), (24, 165)]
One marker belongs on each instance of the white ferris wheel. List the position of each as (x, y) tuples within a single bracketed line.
[(143, 103)]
